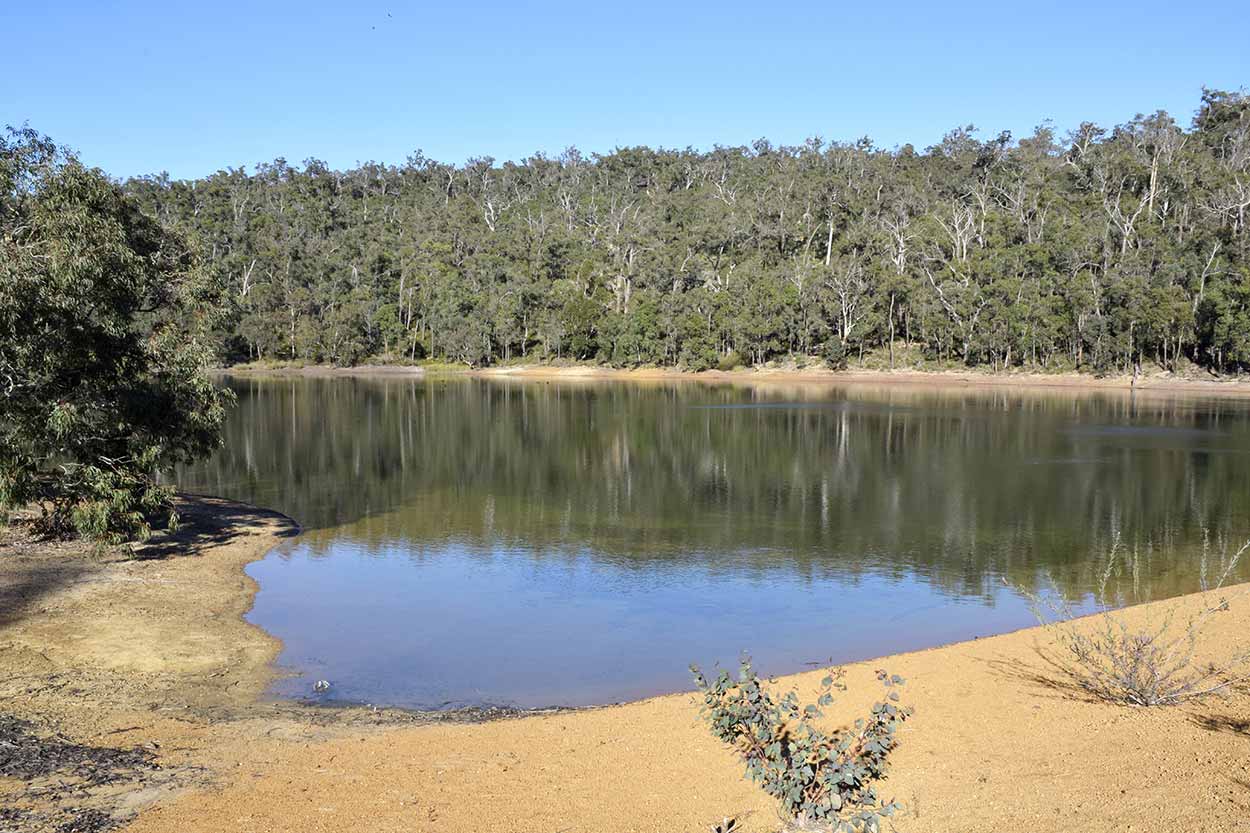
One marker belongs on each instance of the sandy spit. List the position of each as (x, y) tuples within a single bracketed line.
[(156, 627), (155, 652)]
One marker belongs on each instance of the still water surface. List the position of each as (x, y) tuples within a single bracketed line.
[(533, 543)]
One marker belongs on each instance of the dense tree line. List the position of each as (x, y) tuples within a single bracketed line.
[(1106, 250)]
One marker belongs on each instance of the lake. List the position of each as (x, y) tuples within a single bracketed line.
[(477, 541)]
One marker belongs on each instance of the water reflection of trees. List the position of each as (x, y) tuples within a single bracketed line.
[(958, 487)]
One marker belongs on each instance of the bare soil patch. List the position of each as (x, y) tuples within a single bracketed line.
[(104, 652)]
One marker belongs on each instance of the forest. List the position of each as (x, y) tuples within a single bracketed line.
[(1102, 251)]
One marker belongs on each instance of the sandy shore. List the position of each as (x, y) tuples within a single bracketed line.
[(154, 652), (1158, 382), (945, 378), (148, 625)]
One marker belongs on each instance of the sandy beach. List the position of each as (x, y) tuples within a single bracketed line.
[(934, 378)]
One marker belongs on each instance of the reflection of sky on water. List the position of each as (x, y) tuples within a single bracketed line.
[(504, 627)]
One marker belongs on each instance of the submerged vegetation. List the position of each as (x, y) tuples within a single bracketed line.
[(1098, 251), (102, 317)]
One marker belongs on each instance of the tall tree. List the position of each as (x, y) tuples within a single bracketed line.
[(105, 316)]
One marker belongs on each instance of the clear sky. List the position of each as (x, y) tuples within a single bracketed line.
[(191, 87)]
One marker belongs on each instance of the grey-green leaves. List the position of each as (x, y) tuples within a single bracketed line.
[(820, 777)]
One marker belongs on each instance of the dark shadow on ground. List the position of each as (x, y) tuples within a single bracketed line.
[(1047, 672), (1245, 786), (1233, 724), (67, 786), (22, 588), (32, 568), (208, 522)]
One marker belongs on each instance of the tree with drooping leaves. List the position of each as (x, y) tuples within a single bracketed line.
[(105, 321)]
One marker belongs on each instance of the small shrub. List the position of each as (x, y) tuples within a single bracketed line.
[(730, 361), (825, 781), (1151, 663), (905, 357), (835, 355)]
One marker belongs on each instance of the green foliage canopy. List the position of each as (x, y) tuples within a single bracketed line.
[(102, 316), (1098, 251)]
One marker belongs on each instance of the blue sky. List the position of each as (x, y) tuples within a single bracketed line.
[(140, 87)]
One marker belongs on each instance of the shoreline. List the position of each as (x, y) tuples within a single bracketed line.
[(1155, 383), (1036, 754), (177, 603), (320, 370), (904, 378)]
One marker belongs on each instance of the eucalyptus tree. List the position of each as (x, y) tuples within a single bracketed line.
[(105, 317), (1101, 250)]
